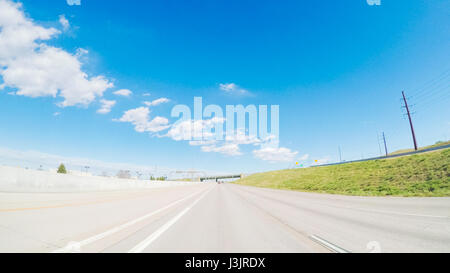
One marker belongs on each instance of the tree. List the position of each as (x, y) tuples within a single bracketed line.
[(161, 178), (62, 169)]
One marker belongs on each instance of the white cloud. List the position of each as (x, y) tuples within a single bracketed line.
[(304, 157), (227, 149), (273, 154), (189, 129), (199, 133), (123, 92), (156, 102), (140, 118), (106, 106), (202, 142), (81, 52), (18, 34), (227, 87), (50, 72), (64, 22), (241, 138), (232, 88), (74, 2), (38, 70), (146, 95), (56, 114)]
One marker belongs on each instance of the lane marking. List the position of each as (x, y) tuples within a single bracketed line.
[(123, 226), (301, 236), (150, 239), (396, 213), (328, 245)]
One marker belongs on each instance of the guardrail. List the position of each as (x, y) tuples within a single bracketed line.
[(389, 156)]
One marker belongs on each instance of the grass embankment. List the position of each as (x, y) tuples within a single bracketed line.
[(416, 175), (438, 144)]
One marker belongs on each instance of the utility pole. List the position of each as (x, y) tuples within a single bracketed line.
[(410, 120), (138, 174), (340, 154), (385, 146)]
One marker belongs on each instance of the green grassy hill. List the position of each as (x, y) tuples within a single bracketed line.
[(416, 175), (437, 144)]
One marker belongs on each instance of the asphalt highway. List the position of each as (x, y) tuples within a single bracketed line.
[(213, 217)]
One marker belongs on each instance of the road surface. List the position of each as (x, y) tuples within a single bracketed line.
[(220, 218)]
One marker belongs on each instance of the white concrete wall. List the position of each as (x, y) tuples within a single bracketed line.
[(21, 180)]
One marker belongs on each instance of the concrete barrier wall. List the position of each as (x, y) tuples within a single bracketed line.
[(22, 180)]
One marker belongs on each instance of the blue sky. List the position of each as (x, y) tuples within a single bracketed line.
[(336, 68)]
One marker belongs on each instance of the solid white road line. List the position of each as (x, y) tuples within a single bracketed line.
[(328, 245), (400, 213), (102, 235), (150, 239)]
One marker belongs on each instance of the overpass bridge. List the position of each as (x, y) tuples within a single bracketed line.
[(219, 177)]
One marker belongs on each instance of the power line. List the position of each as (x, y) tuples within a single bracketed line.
[(428, 84), (433, 91), (435, 97), (430, 104), (379, 145), (426, 92)]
